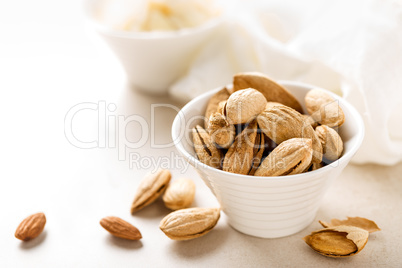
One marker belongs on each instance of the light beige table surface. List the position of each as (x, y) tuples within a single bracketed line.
[(48, 65)]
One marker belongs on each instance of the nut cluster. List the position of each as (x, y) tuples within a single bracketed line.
[(184, 223), (257, 127)]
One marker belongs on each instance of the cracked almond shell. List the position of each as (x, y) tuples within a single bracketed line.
[(366, 224), (150, 188), (258, 151), (239, 158), (205, 149), (220, 131), (213, 103), (337, 242), (189, 223), (331, 142)]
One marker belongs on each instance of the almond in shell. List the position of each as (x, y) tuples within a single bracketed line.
[(213, 104), (281, 123), (324, 108), (244, 105), (271, 90), (179, 194), (331, 142), (220, 131), (239, 157), (259, 148), (205, 148), (290, 157), (150, 188), (189, 223)]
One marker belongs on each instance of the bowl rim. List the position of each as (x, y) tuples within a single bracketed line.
[(89, 5), (198, 164)]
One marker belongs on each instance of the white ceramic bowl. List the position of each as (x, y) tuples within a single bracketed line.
[(153, 61), (268, 207)]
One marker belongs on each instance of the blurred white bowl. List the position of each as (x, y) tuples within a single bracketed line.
[(153, 61), (268, 207)]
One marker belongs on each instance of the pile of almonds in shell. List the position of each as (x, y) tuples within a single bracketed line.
[(184, 223), (257, 127)]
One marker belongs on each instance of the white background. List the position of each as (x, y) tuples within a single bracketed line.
[(49, 63)]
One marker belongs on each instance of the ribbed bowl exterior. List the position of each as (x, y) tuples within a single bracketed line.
[(268, 207), (269, 210)]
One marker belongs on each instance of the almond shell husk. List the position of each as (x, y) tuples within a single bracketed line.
[(366, 224), (338, 242)]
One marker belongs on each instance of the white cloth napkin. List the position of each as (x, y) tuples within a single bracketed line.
[(353, 48)]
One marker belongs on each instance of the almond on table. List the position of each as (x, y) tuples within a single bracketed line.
[(150, 188), (189, 223), (120, 228), (339, 241), (179, 194), (31, 227)]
